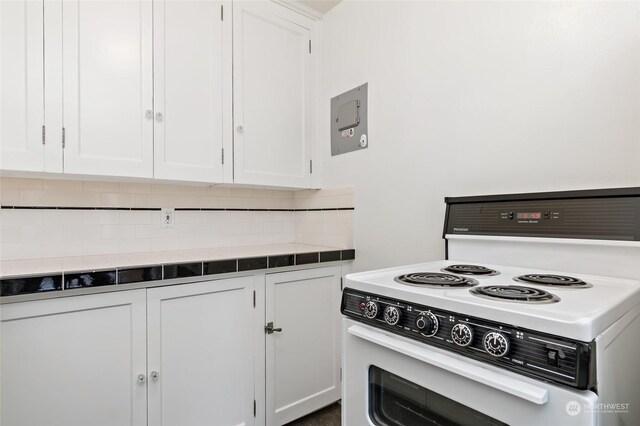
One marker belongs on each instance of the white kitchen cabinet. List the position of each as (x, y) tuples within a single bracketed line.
[(200, 343), (192, 88), (302, 360), (21, 85), (108, 87), (75, 361), (272, 95)]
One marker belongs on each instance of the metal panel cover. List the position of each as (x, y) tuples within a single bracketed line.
[(349, 121)]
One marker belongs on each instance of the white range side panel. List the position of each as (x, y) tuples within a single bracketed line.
[(271, 95), (190, 73), (200, 342), (108, 87), (75, 361), (21, 85), (303, 360)]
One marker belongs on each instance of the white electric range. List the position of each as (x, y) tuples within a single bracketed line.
[(491, 337)]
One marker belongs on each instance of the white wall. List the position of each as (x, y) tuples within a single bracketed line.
[(477, 97)]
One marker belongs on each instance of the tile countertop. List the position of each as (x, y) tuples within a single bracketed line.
[(65, 273)]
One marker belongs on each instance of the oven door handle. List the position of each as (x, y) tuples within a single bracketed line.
[(481, 375)]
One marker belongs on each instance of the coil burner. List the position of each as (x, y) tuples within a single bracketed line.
[(515, 293), (435, 279), (552, 280), (470, 270)]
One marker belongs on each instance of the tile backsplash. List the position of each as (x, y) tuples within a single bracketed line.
[(86, 218)]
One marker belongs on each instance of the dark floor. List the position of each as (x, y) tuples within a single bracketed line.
[(328, 416)]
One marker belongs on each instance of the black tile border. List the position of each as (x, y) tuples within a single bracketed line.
[(71, 280), (220, 266), (89, 279), (181, 270), (178, 209), (306, 258), (132, 275), (282, 260), (252, 263), (330, 256), (141, 209), (30, 284)]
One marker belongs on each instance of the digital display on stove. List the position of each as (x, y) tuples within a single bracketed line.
[(529, 215)]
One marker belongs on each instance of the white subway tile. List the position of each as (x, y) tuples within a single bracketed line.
[(81, 199), (95, 186), (82, 232), (10, 234), (20, 217), (134, 246), (30, 197), (134, 188), (102, 217), (61, 185), (114, 199), (58, 249), (16, 251), (43, 233), (100, 247), (135, 217), (118, 232), (18, 183), (9, 197), (63, 217)]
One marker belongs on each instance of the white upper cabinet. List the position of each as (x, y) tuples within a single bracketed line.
[(272, 95), (21, 85), (108, 87), (182, 90), (192, 88)]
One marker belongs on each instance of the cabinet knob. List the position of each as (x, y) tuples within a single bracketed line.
[(155, 375), (148, 114), (239, 129), (158, 116), (141, 378)]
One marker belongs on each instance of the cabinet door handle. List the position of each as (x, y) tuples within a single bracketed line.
[(141, 378), (239, 129), (269, 329), (148, 114), (159, 116), (154, 376)]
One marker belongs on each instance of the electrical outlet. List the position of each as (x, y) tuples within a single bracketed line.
[(167, 217)]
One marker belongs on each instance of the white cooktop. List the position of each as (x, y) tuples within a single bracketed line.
[(581, 313)]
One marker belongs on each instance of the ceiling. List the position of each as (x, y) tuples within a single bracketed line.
[(322, 6)]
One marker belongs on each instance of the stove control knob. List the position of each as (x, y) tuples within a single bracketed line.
[(392, 315), (427, 323), (371, 309), (496, 343), (462, 334)]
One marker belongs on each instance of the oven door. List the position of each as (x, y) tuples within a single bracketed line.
[(391, 380)]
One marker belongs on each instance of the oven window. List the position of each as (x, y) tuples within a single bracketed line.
[(396, 401)]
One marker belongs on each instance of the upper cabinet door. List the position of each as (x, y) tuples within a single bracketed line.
[(21, 85), (272, 66), (192, 66), (108, 87)]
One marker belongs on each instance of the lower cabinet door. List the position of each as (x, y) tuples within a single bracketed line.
[(75, 361), (201, 354), (303, 359)]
